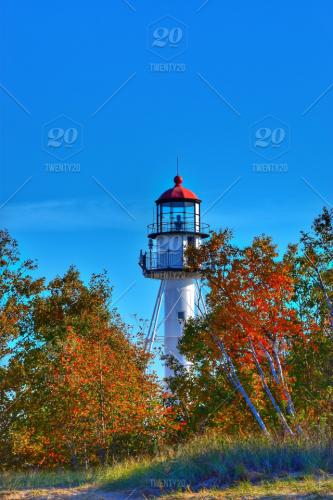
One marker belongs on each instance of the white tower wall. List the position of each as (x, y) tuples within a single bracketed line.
[(179, 305)]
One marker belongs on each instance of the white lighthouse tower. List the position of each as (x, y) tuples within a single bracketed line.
[(177, 226)]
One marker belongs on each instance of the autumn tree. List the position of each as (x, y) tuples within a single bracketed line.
[(74, 386), (250, 325), (312, 261), (18, 289), (99, 385), (314, 267)]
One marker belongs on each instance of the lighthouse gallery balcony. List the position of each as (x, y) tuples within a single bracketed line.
[(159, 264)]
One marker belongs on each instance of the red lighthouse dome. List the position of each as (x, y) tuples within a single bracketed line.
[(178, 193)]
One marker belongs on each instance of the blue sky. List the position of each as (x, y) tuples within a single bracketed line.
[(112, 91)]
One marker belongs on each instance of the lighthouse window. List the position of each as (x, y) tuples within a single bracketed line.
[(190, 241), (181, 315)]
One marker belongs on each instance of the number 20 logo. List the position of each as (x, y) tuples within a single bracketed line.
[(165, 36), (266, 137), (58, 137)]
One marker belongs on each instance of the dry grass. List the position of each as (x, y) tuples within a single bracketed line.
[(210, 463)]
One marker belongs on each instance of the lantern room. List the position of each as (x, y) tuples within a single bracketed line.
[(178, 211)]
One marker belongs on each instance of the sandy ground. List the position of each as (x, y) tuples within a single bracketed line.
[(96, 494), (91, 493), (77, 493)]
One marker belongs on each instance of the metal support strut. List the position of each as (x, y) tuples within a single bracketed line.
[(202, 311), (152, 327)]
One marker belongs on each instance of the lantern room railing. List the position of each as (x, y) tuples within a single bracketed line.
[(178, 227)]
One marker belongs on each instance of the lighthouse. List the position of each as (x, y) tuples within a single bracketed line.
[(177, 226)]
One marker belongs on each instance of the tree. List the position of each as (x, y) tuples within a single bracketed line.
[(18, 289), (315, 269), (311, 363), (90, 399), (251, 323), (74, 387)]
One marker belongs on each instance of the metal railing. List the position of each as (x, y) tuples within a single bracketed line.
[(169, 259), (178, 226)]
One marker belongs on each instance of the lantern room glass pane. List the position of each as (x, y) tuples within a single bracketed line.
[(178, 216)]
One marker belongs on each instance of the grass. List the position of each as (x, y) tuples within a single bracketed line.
[(301, 488), (209, 462)]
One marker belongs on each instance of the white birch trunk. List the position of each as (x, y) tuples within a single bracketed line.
[(233, 377), (269, 393)]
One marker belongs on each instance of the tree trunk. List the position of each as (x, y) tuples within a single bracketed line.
[(233, 377), (327, 299), (279, 378), (323, 289), (290, 404), (269, 393)]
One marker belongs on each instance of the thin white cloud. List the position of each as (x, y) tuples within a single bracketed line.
[(69, 214)]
